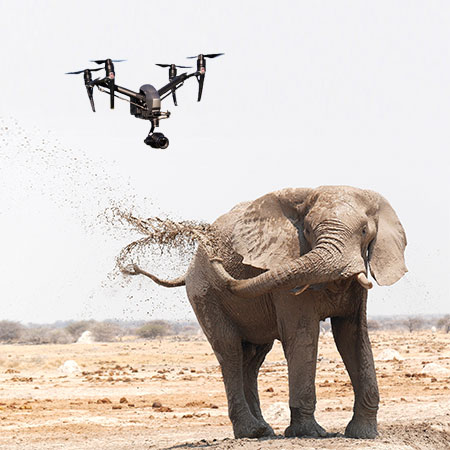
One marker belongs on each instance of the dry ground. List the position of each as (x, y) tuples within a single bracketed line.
[(108, 405)]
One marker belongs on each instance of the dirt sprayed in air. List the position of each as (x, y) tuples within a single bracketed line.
[(40, 175), (160, 237)]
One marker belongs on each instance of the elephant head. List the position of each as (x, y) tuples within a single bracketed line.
[(304, 237)]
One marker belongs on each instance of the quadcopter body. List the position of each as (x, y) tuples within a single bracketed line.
[(145, 104)]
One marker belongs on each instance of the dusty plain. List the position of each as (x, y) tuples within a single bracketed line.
[(168, 394)]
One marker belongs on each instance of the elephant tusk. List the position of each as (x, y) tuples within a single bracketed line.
[(300, 290), (363, 281)]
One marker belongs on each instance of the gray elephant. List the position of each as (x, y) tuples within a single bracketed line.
[(283, 263)]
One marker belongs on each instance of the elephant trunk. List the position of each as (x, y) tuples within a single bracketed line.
[(323, 264)]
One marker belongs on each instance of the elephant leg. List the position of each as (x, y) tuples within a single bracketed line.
[(229, 352), (300, 347), (253, 357), (352, 341)]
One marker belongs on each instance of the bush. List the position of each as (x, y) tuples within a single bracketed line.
[(46, 335), (106, 331), (414, 323), (373, 325), (76, 329), (184, 328), (10, 331), (444, 323), (153, 329)]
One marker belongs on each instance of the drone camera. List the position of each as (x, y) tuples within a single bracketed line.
[(157, 140)]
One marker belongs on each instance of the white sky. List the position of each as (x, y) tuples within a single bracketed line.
[(308, 93)]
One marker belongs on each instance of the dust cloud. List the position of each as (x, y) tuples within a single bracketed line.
[(160, 236), (37, 169)]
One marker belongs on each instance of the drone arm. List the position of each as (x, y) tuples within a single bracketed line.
[(175, 83), (129, 93), (121, 90)]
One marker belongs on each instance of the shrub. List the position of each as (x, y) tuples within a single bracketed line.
[(106, 331), (373, 325), (153, 329), (414, 323), (10, 331), (444, 323), (76, 329), (46, 335)]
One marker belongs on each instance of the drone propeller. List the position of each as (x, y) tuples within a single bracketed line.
[(103, 61), (201, 69), (170, 65), (110, 76), (81, 71), (172, 75), (210, 55), (87, 83)]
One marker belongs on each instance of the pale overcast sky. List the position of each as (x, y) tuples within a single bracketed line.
[(308, 93)]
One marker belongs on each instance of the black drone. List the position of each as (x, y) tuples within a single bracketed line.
[(145, 104)]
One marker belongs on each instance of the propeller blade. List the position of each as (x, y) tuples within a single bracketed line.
[(81, 71), (168, 65), (209, 55), (213, 55), (103, 61)]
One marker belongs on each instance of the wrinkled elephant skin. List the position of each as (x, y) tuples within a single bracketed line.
[(286, 261)]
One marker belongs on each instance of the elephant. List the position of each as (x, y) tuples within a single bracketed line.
[(283, 263)]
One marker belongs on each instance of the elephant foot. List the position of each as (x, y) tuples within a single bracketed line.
[(307, 427), (269, 430), (362, 428), (252, 428)]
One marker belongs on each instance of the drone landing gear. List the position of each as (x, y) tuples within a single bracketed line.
[(156, 140)]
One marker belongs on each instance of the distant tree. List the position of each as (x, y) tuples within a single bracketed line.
[(184, 328), (46, 335), (106, 331), (373, 325), (10, 331), (444, 323), (325, 326), (413, 323), (76, 329), (153, 329)]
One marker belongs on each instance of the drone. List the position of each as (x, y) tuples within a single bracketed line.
[(145, 104)]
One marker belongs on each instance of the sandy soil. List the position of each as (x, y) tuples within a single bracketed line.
[(169, 395)]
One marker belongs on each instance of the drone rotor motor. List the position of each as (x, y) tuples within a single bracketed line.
[(201, 69)]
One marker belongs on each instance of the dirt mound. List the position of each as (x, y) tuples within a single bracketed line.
[(389, 354), (435, 369), (70, 367), (86, 338), (423, 435)]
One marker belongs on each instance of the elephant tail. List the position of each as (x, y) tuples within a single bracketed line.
[(136, 270)]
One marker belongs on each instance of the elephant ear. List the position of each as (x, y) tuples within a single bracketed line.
[(386, 251), (268, 232)]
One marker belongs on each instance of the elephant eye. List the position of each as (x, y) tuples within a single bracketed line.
[(364, 231)]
